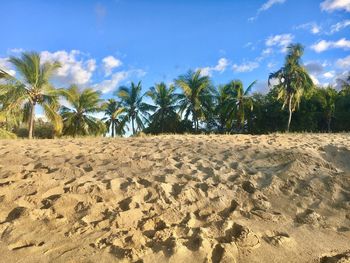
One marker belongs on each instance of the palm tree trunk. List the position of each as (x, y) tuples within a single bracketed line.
[(162, 123), (112, 128), (133, 125), (329, 123), (196, 124), (290, 112), (31, 120)]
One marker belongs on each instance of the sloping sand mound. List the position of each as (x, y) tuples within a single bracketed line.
[(276, 198)]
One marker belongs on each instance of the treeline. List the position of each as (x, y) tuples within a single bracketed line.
[(191, 105)]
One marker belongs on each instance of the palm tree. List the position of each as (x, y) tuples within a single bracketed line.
[(197, 96), (241, 101), (165, 100), (78, 120), (293, 80), (31, 89), (135, 108), (115, 118), (222, 111), (329, 96)]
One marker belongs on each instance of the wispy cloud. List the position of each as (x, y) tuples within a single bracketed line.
[(324, 45), (339, 26), (343, 62), (313, 27), (16, 50), (281, 41), (267, 5), (245, 66), (333, 5)]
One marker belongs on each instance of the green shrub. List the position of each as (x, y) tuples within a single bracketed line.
[(42, 130), (6, 134)]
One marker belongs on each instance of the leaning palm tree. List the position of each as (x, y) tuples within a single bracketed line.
[(78, 119), (135, 108), (115, 117), (165, 100), (31, 89), (196, 99), (292, 80)]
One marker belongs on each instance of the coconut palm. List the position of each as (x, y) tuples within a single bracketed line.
[(223, 108), (32, 88), (135, 108), (78, 119), (329, 96), (292, 80), (165, 100), (239, 101), (196, 99), (115, 117)]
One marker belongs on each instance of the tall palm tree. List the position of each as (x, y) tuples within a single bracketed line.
[(78, 119), (329, 96), (293, 80), (165, 100), (32, 88), (135, 108), (196, 99), (115, 117), (239, 101), (220, 109)]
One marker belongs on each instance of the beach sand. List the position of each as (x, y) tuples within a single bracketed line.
[(173, 198)]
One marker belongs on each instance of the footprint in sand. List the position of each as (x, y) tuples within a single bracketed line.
[(14, 214), (277, 238), (338, 258), (243, 236)]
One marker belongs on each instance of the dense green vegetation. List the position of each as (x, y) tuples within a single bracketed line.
[(193, 104)]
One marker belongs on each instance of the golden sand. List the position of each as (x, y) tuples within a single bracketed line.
[(271, 198)]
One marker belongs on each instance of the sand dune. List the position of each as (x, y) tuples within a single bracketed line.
[(273, 198)]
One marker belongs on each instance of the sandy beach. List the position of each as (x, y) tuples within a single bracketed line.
[(173, 198)]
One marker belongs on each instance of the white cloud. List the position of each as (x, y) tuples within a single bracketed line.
[(245, 67), (219, 67), (74, 68), (116, 79), (267, 51), (323, 45), (329, 74), (339, 26), (312, 27), (332, 5), (267, 5), (281, 41), (343, 62), (16, 50), (109, 63), (6, 66)]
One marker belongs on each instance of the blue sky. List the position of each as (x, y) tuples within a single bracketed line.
[(105, 44)]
